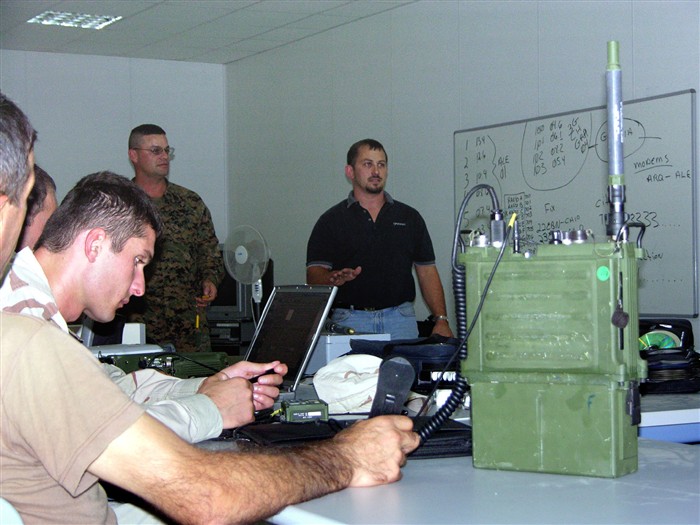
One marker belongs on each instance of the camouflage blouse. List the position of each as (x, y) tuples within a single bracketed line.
[(187, 254)]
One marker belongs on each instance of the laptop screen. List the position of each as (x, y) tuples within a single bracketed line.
[(289, 328)]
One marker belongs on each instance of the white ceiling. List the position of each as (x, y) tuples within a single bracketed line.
[(210, 31)]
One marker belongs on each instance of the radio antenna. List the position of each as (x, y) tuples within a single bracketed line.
[(615, 219)]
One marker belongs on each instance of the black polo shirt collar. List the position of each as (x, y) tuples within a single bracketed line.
[(352, 200)]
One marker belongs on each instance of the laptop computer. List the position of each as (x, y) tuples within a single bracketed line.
[(289, 328)]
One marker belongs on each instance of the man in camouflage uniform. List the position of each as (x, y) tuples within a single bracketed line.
[(187, 268)]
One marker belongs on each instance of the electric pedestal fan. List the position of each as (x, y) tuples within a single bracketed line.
[(246, 256)]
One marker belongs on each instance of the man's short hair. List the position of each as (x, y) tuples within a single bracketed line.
[(17, 138), (101, 200), (43, 185), (370, 143), (141, 131)]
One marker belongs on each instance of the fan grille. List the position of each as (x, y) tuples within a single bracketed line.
[(246, 254)]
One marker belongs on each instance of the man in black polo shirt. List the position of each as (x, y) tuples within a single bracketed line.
[(367, 245)]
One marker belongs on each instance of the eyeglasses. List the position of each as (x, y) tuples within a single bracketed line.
[(157, 151)]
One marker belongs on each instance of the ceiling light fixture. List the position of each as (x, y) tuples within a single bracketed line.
[(55, 18)]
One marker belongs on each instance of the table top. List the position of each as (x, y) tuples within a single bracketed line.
[(665, 489), (670, 409)]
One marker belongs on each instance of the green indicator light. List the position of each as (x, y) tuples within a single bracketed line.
[(603, 273)]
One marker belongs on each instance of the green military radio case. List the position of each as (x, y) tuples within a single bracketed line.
[(553, 360)]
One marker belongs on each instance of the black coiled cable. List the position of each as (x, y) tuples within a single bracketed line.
[(459, 287), (459, 281)]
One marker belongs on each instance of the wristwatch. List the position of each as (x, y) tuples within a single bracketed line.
[(441, 318)]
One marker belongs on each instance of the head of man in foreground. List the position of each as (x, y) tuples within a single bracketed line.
[(17, 138)]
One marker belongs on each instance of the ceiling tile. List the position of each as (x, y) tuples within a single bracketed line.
[(82, 47), (321, 22), (212, 31), (165, 52), (298, 6), (288, 34), (362, 8), (225, 56), (38, 38), (17, 12), (103, 7), (255, 45)]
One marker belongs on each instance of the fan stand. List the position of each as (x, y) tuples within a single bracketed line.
[(257, 293)]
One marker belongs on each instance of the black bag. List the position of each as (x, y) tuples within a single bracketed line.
[(429, 356), (452, 439), (669, 349), (284, 433)]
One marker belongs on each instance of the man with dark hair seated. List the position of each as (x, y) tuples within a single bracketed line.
[(70, 273)]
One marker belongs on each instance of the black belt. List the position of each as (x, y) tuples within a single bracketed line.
[(363, 308)]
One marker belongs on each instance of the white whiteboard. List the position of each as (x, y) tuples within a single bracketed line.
[(553, 172)]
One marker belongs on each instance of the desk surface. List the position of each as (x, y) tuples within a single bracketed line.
[(670, 409), (665, 489)]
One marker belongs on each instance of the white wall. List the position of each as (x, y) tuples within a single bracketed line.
[(85, 106), (279, 124), (413, 76)]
